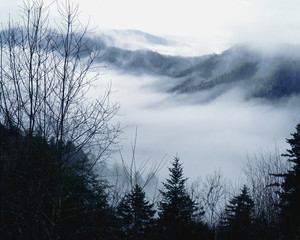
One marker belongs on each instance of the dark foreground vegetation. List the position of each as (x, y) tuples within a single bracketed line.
[(46, 196), (53, 139)]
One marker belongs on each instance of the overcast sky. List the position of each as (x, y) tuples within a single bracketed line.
[(218, 23)]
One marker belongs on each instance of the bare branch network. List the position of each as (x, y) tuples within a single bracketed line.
[(45, 77)]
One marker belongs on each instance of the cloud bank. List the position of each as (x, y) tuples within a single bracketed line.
[(207, 135)]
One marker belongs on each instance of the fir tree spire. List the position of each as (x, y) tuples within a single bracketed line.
[(176, 208), (135, 215), (290, 197), (237, 221)]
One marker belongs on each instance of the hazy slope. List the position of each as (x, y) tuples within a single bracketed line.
[(269, 75), (260, 73), (266, 76)]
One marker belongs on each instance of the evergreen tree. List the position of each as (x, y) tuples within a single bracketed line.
[(135, 215), (176, 209), (236, 223), (41, 198), (290, 197)]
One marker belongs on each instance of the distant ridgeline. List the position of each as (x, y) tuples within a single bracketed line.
[(261, 75), (269, 75)]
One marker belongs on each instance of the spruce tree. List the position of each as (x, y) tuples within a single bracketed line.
[(176, 208), (237, 221), (135, 215), (290, 197), (43, 199)]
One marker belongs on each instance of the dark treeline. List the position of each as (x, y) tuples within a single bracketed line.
[(53, 139), (46, 197)]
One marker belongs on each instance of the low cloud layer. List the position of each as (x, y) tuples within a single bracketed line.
[(207, 130), (207, 135)]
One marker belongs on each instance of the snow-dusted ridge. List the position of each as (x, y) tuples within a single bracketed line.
[(137, 40)]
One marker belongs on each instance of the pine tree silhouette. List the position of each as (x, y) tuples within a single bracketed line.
[(135, 215), (176, 208), (236, 223), (290, 197)]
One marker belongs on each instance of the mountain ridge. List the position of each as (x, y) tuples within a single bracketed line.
[(268, 76), (262, 73)]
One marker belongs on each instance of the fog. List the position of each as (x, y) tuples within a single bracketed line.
[(206, 133), (209, 130)]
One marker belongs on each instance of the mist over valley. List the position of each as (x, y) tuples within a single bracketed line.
[(212, 110)]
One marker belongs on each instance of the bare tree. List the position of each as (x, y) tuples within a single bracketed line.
[(212, 194), (128, 174), (261, 171), (45, 78)]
